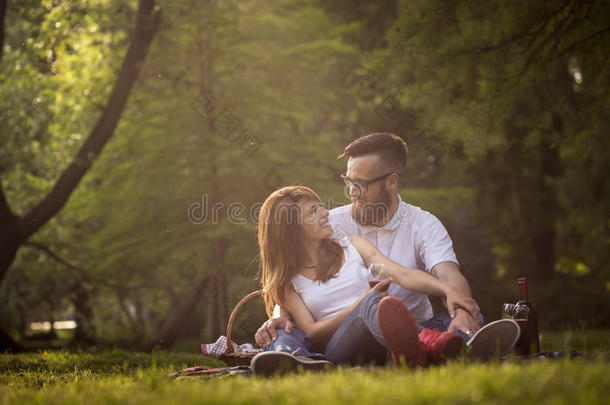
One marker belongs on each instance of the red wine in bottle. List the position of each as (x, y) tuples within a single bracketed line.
[(527, 318)]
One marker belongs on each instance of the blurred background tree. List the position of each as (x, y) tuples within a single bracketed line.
[(521, 91), (503, 105)]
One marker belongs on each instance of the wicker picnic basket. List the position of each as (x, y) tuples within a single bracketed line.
[(229, 356)]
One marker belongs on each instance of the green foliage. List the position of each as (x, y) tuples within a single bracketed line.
[(517, 90), (127, 224), (503, 106)]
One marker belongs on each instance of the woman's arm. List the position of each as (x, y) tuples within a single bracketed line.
[(320, 332), (414, 279)]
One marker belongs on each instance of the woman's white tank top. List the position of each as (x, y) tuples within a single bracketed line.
[(325, 300)]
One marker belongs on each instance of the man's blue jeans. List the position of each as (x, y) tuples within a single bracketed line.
[(358, 339)]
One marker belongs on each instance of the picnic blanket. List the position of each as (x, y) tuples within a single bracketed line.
[(217, 348), (203, 372)]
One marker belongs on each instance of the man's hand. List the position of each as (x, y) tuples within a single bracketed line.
[(267, 334), (465, 322), (456, 300), (449, 273)]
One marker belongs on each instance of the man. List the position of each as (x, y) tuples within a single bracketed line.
[(406, 234)]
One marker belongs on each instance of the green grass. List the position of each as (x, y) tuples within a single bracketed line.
[(121, 377)]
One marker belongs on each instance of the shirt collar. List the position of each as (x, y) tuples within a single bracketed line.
[(393, 223)]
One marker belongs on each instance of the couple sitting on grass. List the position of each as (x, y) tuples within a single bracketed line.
[(319, 270)]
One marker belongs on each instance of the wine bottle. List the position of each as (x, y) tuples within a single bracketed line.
[(527, 318)]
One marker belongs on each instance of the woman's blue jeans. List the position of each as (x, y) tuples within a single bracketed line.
[(358, 339)]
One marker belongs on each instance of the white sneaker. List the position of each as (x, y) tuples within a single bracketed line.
[(274, 362), (493, 340)]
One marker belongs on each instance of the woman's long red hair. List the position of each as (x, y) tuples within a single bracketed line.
[(280, 240)]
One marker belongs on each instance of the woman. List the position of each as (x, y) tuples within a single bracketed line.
[(323, 284)]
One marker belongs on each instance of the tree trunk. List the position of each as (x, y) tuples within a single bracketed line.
[(211, 291), (10, 237), (223, 305), (172, 328), (15, 230), (218, 316), (130, 319), (545, 234), (84, 332), (212, 330), (8, 344)]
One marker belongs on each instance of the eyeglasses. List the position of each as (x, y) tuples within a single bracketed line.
[(362, 186)]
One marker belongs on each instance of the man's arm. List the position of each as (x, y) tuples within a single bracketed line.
[(449, 273), (413, 279)]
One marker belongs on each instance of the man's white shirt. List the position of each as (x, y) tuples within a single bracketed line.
[(413, 238)]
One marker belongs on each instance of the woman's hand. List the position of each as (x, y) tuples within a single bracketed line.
[(457, 300), (380, 286)]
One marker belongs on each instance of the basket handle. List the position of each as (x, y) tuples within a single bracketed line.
[(234, 314)]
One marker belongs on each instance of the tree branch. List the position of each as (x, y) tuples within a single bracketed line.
[(147, 22), (501, 44), (82, 272), (516, 37), (52, 255), (582, 41), (559, 27)]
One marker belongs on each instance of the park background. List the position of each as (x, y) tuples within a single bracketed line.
[(143, 232)]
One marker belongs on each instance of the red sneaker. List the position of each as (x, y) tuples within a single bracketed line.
[(441, 346), (399, 331)]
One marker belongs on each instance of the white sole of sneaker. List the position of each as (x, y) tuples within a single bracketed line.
[(270, 363), (493, 340)]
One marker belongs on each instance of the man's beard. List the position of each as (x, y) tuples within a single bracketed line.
[(373, 213)]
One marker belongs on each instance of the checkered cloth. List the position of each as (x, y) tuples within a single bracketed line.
[(220, 346)]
